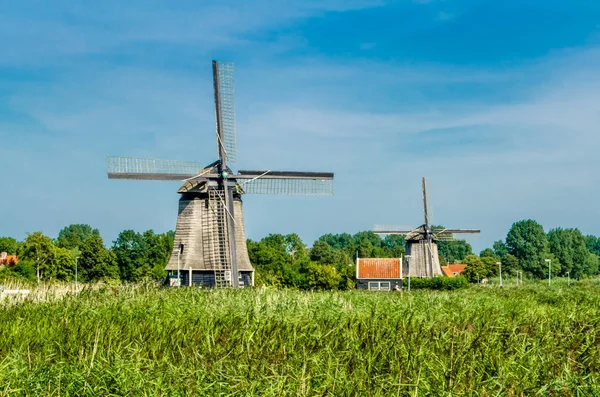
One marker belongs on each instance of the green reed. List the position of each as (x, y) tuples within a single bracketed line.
[(143, 340)]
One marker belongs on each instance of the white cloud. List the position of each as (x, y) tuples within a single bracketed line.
[(368, 122)]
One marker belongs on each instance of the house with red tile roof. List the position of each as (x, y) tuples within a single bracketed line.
[(379, 274), (8, 260), (453, 270)]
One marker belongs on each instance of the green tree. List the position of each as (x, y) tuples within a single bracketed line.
[(324, 254), (455, 251), (280, 260), (25, 269), (159, 248), (9, 245), (488, 252), (393, 245), (96, 262), (131, 253), (72, 236), (39, 249), (593, 244), (500, 249), (479, 268), (64, 265), (323, 277), (475, 270), (527, 241), (569, 247), (510, 264)]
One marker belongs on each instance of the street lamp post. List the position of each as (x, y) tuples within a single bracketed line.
[(76, 262), (178, 266), (549, 270), (408, 260), (500, 266)]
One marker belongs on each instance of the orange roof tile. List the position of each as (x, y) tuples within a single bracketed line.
[(457, 267), (447, 271), (9, 260), (379, 268)]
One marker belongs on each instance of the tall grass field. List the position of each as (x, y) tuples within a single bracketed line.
[(147, 341)]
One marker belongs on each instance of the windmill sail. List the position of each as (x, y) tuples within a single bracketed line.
[(286, 182), (223, 81), (152, 169)]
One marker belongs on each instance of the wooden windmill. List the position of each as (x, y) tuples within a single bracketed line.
[(210, 240), (421, 243)]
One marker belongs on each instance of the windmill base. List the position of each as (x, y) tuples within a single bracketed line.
[(205, 279), (420, 264), (202, 244)]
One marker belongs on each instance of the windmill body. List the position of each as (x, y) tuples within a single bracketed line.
[(210, 240), (421, 244)]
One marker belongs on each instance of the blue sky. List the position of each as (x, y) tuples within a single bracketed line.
[(497, 103)]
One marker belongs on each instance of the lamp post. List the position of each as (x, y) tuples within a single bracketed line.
[(178, 265), (500, 266), (76, 261), (408, 261), (549, 270), (568, 278)]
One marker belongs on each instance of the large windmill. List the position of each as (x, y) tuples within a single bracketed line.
[(210, 241), (421, 243)]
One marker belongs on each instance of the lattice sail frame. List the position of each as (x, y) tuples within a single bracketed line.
[(287, 186), (227, 102), (144, 168)]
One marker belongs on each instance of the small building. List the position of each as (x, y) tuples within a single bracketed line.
[(379, 274), (8, 260), (453, 270)]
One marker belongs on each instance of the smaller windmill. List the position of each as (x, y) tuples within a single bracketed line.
[(421, 243)]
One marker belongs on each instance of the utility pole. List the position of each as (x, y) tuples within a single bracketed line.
[(408, 261), (500, 266), (76, 263), (178, 265), (549, 270)]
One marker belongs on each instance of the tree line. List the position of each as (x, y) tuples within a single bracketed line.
[(79, 251), (286, 261)]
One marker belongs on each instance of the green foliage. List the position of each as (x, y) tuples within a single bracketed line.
[(96, 262), (443, 261), (500, 249), (455, 251), (510, 264), (527, 241), (323, 277), (366, 244), (9, 245), (593, 244), (64, 265), (39, 249), (72, 236), (439, 283), (570, 248), (480, 268), (324, 253), (24, 270), (488, 252), (141, 256)]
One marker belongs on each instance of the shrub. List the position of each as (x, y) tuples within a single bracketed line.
[(440, 283)]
